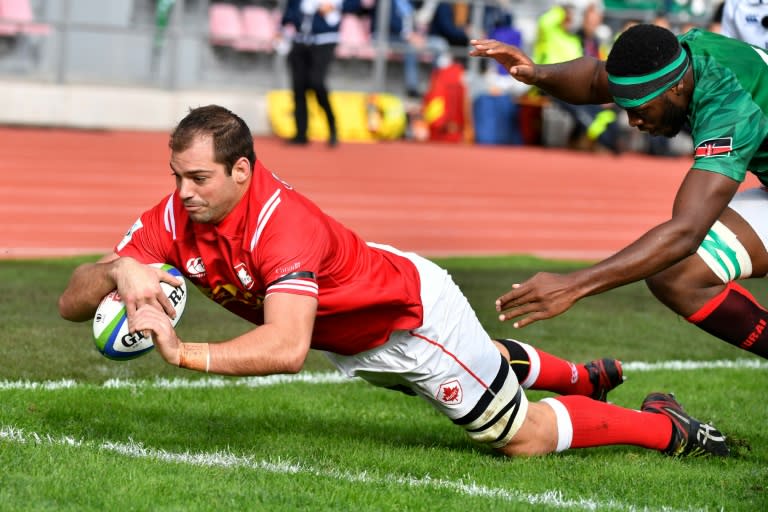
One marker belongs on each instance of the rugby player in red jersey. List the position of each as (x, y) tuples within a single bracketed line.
[(265, 252)]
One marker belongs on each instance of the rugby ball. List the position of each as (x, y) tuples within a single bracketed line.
[(110, 324)]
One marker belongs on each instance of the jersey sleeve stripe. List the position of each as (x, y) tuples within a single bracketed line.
[(169, 218), (264, 215), (294, 285), (302, 274)]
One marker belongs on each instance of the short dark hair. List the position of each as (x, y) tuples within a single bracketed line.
[(231, 137), (640, 50)]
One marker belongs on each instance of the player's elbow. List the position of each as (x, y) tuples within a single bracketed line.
[(293, 363), (69, 311), (293, 358), (686, 241)]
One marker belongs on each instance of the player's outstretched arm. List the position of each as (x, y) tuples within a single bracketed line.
[(138, 284), (578, 81), (280, 345), (700, 201), (89, 283)]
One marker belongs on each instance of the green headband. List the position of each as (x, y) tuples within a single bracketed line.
[(633, 91)]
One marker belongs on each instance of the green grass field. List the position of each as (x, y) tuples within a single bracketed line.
[(80, 432)]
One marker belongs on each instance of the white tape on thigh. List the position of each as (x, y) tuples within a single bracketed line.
[(503, 417), (724, 254)]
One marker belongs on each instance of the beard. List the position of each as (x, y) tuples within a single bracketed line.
[(672, 119)]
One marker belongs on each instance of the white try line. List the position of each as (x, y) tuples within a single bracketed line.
[(553, 498), (336, 377)]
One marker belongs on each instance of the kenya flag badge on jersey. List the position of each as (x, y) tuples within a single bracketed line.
[(715, 147)]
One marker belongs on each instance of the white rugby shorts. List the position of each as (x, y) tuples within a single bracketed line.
[(450, 361), (752, 205)]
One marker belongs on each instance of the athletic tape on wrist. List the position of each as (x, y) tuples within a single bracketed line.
[(195, 356)]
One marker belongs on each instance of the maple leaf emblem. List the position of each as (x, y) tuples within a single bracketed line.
[(450, 393)]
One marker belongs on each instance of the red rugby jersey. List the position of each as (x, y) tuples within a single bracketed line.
[(277, 240)]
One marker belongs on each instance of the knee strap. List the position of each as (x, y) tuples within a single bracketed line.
[(519, 359), (724, 254)]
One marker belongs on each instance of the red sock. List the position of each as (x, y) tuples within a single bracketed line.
[(595, 423), (734, 315), (551, 373)]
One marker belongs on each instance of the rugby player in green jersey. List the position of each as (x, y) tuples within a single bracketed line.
[(715, 235)]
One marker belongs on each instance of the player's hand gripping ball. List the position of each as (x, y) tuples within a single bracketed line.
[(110, 324)]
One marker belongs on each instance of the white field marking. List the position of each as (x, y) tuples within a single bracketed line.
[(219, 459), (746, 364), (336, 377)]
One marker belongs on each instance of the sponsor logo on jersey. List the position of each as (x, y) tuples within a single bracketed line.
[(127, 237), (715, 147), (288, 268), (450, 392), (243, 275), (754, 335), (195, 267)]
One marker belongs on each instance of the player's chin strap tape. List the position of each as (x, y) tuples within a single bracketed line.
[(500, 412), (724, 254)]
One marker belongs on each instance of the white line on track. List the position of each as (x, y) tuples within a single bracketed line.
[(338, 378), (228, 460)]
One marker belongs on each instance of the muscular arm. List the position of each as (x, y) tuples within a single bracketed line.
[(89, 283), (279, 346), (578, 81), (137, 284), (701, 199)]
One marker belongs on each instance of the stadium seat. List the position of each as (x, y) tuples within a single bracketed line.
[(16, 17), (259, 29), (355, 37), (224, 24)]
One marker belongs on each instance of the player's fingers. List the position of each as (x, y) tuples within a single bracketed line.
[(483, 46), (165, 305), (517, 312), (150, 318), (512, 298), (140, 320), (169, 278), (528, 320), (481, 42)]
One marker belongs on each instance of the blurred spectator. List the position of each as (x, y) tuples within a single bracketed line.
[(450, 21), (559, 41), (592, 40), (313, 28), (716, 22), (410, 32), (661, 20), (501, 27), (556, 40), (746, 20)]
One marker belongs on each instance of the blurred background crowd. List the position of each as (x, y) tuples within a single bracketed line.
[(333, 71)]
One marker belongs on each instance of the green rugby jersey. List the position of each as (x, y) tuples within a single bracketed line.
[(729, 109)]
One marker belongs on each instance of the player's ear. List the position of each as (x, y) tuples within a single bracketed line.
[(242, 170)]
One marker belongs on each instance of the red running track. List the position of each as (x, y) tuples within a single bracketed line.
[(66, 192)]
